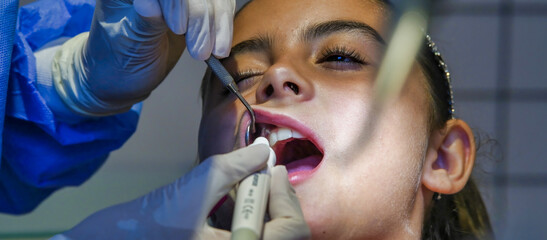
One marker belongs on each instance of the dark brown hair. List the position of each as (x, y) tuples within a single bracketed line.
[(462, 215)]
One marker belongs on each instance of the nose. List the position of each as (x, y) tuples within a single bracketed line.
[(284, 83)]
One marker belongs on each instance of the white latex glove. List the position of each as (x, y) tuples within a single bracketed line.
[(130, 49), (287, 220), (179, 210), (208, 24)]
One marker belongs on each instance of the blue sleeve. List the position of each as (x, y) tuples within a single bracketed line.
[(40, 153)]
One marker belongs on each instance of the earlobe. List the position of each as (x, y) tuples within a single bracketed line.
[(450, 158)]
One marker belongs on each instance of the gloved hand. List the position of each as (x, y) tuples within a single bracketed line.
[(132, 47), (179, 210), (208, 24)]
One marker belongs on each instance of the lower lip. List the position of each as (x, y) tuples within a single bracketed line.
[(303, 169)]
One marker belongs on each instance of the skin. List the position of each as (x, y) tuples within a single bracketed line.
[(376, 191)]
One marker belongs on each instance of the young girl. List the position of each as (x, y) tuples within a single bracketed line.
[(308, 69)]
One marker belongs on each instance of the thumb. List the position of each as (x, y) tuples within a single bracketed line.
[(226, 170), (287, 217), (147, 8), (146, 19), (187, 201)]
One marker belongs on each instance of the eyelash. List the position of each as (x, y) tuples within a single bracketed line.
[(342, 51), (242, 76)]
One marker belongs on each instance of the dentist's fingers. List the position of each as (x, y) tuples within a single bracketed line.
[(226, 170), (208, 24), (175, 14), (224, 17), (147, 8), (188, 200), (287, 218), (201, 33)]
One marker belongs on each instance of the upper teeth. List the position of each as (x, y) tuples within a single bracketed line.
[(280, 134)]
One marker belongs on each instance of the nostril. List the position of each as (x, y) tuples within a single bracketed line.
[(292, 86), (269, 91)]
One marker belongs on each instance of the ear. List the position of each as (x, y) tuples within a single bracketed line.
[(450, 158)]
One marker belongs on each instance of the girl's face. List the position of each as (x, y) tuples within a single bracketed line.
[(308, 68)]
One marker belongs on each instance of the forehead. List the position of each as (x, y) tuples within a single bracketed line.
[(285, 18)]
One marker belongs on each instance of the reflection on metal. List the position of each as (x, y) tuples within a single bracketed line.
[(228, 82)]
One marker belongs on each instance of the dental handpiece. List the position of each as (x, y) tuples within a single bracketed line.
[(252, 200), (228, 82), (252, 193)]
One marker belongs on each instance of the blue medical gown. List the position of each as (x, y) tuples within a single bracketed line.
[(41, 154)]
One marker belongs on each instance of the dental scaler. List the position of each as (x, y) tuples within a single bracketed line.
[(228, 82), (252, 194)]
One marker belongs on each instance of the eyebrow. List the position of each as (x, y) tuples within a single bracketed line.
[(262, 43), (326, 28), (255, 44)]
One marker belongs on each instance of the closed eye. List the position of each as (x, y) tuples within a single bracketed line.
[(244, 80), (243, 76)]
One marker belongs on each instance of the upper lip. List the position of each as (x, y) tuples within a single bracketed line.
[(281, 120)]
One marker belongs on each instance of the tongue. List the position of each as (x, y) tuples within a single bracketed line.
[(304, 164)]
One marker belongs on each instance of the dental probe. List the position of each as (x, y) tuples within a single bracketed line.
[(228, 82), (252, 193)]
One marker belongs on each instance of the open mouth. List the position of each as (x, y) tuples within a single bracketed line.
[(293, 149)]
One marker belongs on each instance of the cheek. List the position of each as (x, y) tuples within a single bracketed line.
[(344, 108), (364, 201), (368, 191), (217, 131)]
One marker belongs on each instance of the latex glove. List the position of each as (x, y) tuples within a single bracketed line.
[(208, 24), (130, 49), (287, 220), (179, 210)]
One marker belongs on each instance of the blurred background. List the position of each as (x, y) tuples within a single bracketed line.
[(496, 54)]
